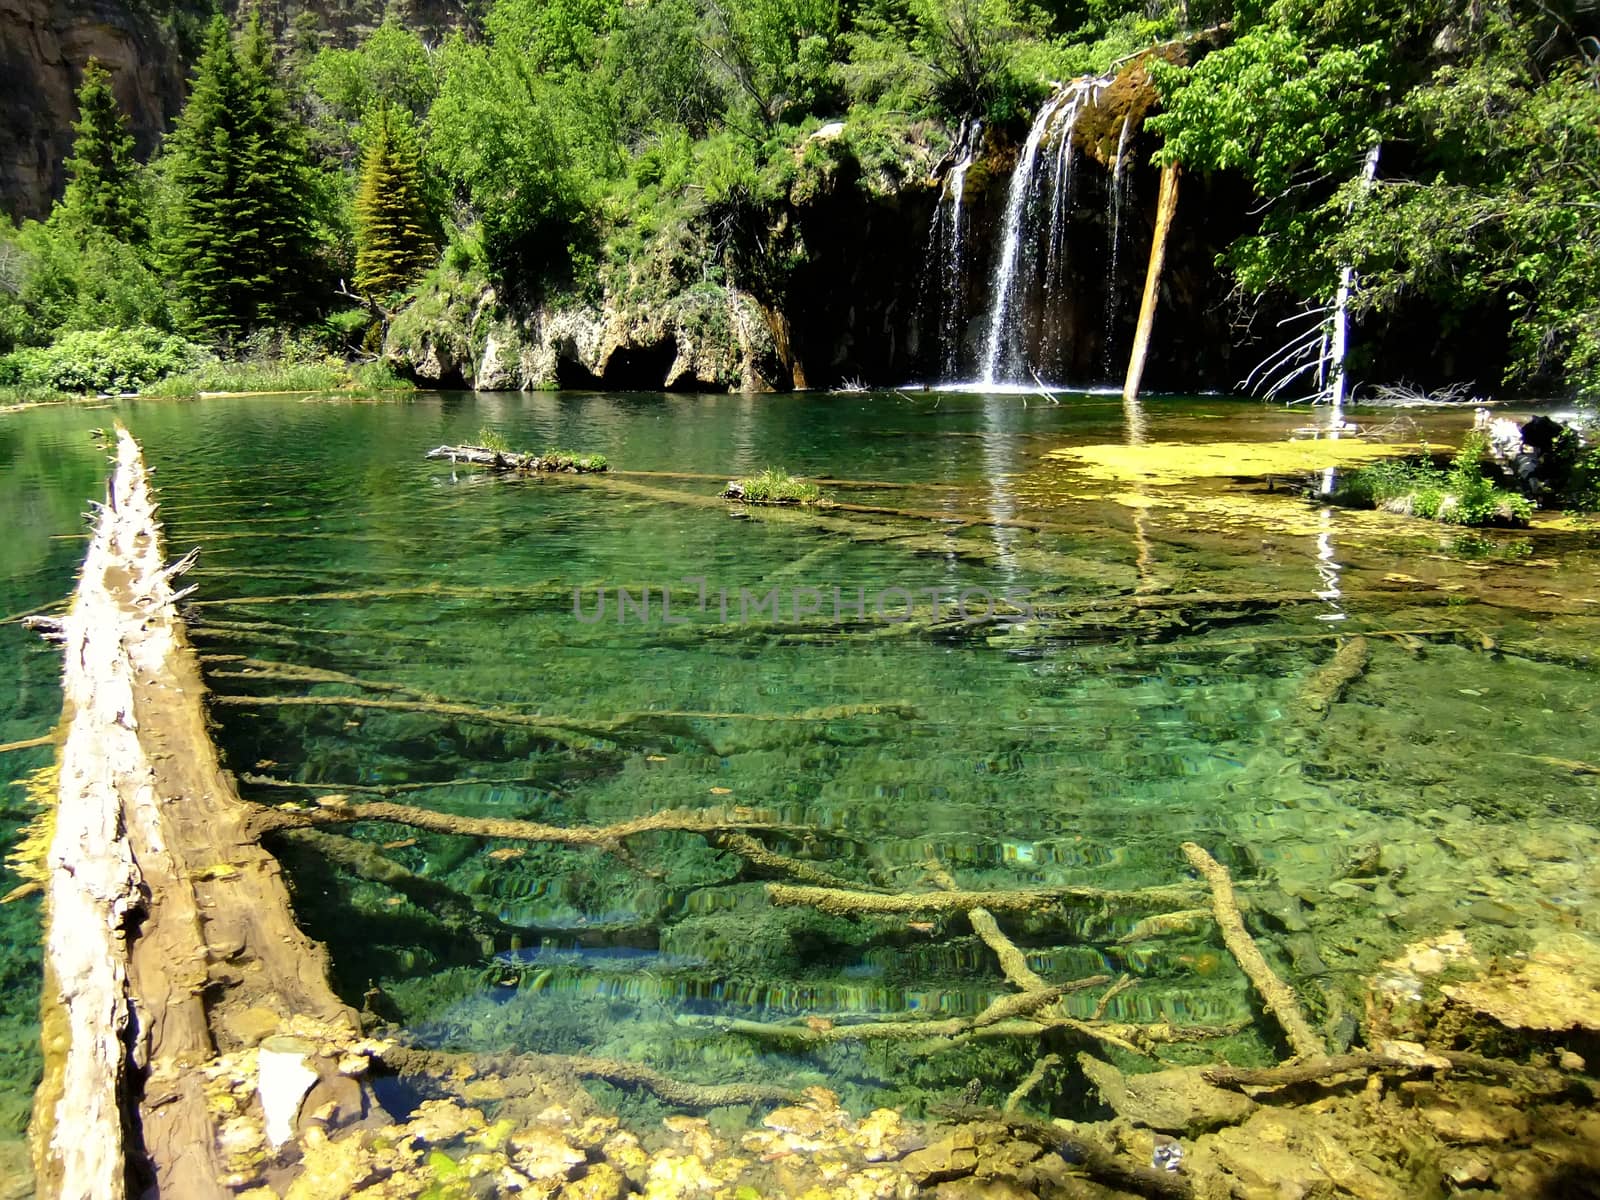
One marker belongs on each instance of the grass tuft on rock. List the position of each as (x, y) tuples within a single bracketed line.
[(774, 486)]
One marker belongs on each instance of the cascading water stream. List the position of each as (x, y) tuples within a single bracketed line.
[(1115, 202), (1060, 209), (1017, 269), (949, 231), (1005, 299)]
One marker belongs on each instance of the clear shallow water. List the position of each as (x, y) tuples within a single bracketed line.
[(1059, 751)]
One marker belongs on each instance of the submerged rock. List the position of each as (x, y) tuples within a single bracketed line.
[(1177, 1100), (1557, 989)]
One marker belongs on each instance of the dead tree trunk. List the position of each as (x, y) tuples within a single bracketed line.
[(169, 941), (1166, 206)]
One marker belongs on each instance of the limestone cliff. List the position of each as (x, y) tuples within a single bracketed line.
[(708, 338)]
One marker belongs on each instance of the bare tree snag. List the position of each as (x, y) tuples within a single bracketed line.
[(165, 919), (1275, 994), (1166, 206)]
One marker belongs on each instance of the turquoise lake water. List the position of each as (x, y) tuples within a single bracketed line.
[(1080, 746)]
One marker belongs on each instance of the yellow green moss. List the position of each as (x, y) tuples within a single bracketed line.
[(1170, 463)]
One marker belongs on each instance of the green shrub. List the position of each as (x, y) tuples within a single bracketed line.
[(1459, 495), (101, 360), (253, 376), (379, 377), (566, 460)]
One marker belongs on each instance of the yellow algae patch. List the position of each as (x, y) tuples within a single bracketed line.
[(1285, 514), (1165, 463), (1140, 500)]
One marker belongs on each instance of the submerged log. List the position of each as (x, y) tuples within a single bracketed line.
[(1278, 997), (169, 940), (510, 460), (1323, 690)]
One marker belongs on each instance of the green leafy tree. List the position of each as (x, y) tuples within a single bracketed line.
[(239, 244), (102, 175), (528, 151), (393, 240), (390, 67), (776, 56)]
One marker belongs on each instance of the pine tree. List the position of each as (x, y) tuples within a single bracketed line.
[(102, 174), (393, 243), (240, 246)]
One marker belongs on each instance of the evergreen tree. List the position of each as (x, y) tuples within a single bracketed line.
[(102, 174), (239, 246), (393, 242)]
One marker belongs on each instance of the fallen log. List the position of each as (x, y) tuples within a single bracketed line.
[(169, 942), (1324, 688), (1278, 997), (1032, 900), (1414, 1060), (510, 460)]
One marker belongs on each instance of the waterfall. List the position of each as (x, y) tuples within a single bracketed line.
[(1018, 265), (949, 251), (1114, 201), (1004, 294), (1060, 209)]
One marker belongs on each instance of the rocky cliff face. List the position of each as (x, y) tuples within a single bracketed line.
[(43, 47), (707, 338)]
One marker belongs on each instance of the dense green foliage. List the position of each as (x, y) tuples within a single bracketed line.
[(657, 152), (1459, 495), (1487, 117), (100, 360)]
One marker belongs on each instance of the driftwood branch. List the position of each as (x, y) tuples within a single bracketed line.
[(765, 859), (1034, 1077), (1278, 997), (999, 1010)]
